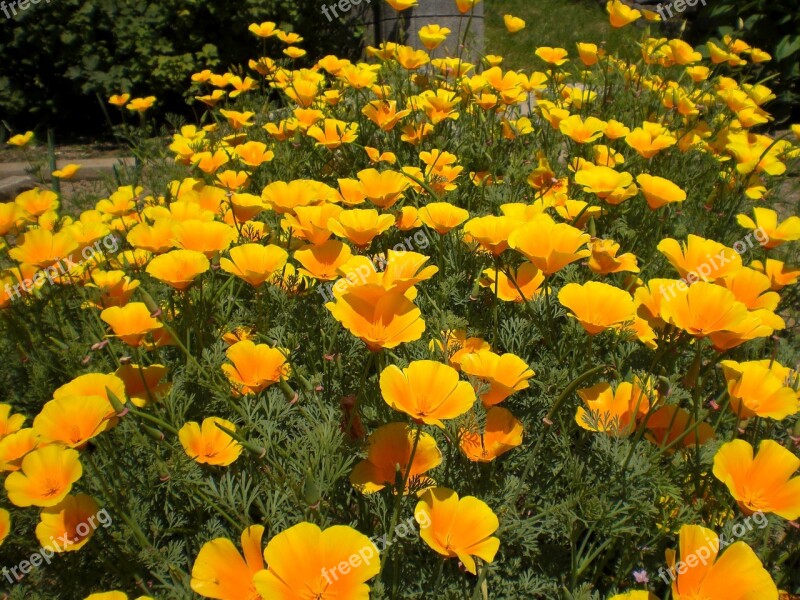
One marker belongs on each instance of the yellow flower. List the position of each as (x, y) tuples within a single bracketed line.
[(433, 35), (549, 245), (208, 444), (621, 14), (334, 133), (426, 390), (442, 216), (765, 220), (140, 105), (45, 477), (458, 527), (220, 571), (21, 139), (464, 6), (513, 24), (68, 525), (659, 191), (400, 5), (760, 483), (66, 172), (178, 268), (503, 432), (263, 30), (759, 388), (597, 306), (552, 56), (613, 411), (119, 100)]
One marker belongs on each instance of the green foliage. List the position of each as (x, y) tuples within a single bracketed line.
[(59, 55)]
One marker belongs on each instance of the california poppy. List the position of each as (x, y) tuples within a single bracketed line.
[(505, 374), (71, 523), (208, 444), (45, 477), (597, 306), (255, 366), (220, 571), (502, 432)]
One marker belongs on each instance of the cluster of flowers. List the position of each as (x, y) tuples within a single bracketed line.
[(295, 235)]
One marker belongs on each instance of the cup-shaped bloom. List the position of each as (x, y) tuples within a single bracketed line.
[(255, 366), (755, 389), (178, 268), (67, 526), (131, 322), (513, 24), (45, 477), (157, 238), (360, 225), (502, 433), (388, 455), (208, 237), (670, 423), (323, 261), (580, 130), (333, 133), (307, 562), (254, 153), (464, 6), (706, 309), (614, 412), (383, 188), (751, 288), (736, 573), (427, 390), (9, 423), (207, 444), (760, 483), (606, 183), (432, 36), (442, 216), (221, 572), (42, 248), (74, 420), (780, 274), (549, 245), (245, 207), (659, 191), (284, 197), (526, 282), (143, 384), (700, 258), (36, 202), (765, 220), (604, 258), (458, 527), (650, 139), (405, 269), (597, 306), (15, 446), (505, 374), (379, 318), (620, 14), (310, 223), (491, 232), (254, 263)]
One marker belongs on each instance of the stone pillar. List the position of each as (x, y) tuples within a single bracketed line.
[(383, 23)]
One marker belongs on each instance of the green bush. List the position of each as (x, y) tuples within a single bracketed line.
[(59, 55)]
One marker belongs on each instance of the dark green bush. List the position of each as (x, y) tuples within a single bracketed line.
[(57, 56)]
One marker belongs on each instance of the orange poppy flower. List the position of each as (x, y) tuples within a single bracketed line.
[(611, 411), (379, 318), (432, 36), (254, 263), (323, 261), (779, 273), (383, 188), (384, 113), (255, 366), (763, 483), (765, 221), (310, 223), (220, 571), (604, 258), (15, 446), (360, 225), (284, 197), (178, 268), (142, 384), (208, 444), (612, 186), (74, 420), (426, 390), (333, 133), (5, 525), (756, 388), (207, 237), (71, 523), (549, 245), (36, 202), (505, 374), (650, 139), (305, 561), (503, 432), (700, 258), (458, 527), (244, 207), (737, 573), (131, 322), (580, 130), (41, 248), (45, 477), (389, 450), (9, 423), (659, 191), (527, 279), (597, 306), (442, 216), (491, 232)]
